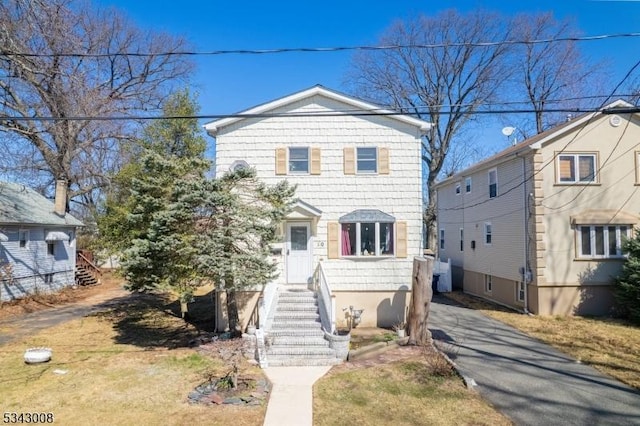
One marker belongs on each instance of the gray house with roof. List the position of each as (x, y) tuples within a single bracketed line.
[(37, 242)]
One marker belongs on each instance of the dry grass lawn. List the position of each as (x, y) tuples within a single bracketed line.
[(612, 346), (403, 392), (128, 365)]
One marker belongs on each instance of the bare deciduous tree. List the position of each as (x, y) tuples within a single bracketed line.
[(552, 75), (444, 85), (40, 76)]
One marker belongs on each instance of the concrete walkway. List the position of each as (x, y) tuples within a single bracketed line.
[(291, 400), (528, 381)]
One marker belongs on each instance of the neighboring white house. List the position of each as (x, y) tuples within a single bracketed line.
[(358, 172), (37, 242), (539, 226)]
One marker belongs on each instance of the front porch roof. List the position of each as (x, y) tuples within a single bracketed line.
[(303, 210)]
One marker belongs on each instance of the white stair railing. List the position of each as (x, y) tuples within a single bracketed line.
[(326, 300), (267, 304)]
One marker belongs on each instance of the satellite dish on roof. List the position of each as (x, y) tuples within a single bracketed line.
[(508, 131)]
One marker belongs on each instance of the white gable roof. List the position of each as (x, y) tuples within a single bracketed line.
[(362, 107)]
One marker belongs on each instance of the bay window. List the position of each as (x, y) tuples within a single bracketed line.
[(367, 233)]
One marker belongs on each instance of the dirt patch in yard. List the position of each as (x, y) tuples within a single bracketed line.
[(111, 286)]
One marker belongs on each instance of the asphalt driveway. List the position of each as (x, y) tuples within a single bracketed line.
[(529, 381)]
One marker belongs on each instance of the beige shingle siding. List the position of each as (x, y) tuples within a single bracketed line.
[(399, 193)]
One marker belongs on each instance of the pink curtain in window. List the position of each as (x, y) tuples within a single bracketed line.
[(346, 241)]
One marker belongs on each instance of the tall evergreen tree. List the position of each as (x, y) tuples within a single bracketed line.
[(239, 222), (627, 284), (150, 216), (176, 229)]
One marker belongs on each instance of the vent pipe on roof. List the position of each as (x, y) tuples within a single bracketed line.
[(60, 202)]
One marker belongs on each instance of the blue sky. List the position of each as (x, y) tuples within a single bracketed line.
[(231, 83)]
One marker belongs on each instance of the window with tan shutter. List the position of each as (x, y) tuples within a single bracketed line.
[(349, 161), (369, 233), (333, 239), (367, 160), (281, 161), (315, 161), (383, 160)]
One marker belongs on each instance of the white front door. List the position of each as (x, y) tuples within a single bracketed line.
[(299, 253)]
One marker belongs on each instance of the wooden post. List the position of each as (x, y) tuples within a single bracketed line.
[(421, 293)]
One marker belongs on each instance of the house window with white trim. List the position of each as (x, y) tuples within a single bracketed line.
[(520, 289), (493, 183), (461, 239), (601, 241), (23, 237), (367, 160), (51, 248), (576, 168), (367, 238), (458, 188), (467, 184), (488, 237), (299, 160), (442, 239), (488, 283)]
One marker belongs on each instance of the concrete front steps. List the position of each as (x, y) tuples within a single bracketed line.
[(296, 337)]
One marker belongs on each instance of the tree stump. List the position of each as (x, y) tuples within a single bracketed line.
[(421, 294)]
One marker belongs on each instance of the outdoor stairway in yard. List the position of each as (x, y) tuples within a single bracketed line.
[(296, 337), (84, 277)]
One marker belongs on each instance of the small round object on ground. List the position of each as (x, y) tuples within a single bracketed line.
[(37, 355)]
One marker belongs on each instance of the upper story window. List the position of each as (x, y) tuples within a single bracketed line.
[(467, 184), (458, 186), (493, 183), (442, 239), (367, 160), (576, 168), (299, 160), (601, 241), (461, 239), (51, 248), (24, 237)]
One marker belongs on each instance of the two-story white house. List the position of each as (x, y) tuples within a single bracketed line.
[(358, 215), (540, 225)]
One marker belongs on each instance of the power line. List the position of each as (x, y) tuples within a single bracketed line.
[(575, 136), (307, 114), (324, 49)]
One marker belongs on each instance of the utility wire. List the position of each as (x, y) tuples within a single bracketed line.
[(324, 49), (320, 113), (556, 154)]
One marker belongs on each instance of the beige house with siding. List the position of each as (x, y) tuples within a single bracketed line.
[(357, 221), (539, 226)]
